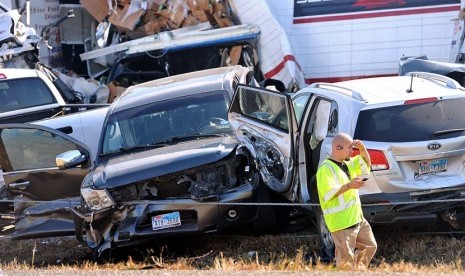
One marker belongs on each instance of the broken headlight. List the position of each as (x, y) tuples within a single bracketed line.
[(96, 199)]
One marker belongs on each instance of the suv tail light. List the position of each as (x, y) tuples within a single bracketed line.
[(378, 160)]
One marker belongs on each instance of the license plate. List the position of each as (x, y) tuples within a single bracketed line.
[(166, 221), (432, 166)]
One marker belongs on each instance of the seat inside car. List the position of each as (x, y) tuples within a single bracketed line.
[(157, 128)]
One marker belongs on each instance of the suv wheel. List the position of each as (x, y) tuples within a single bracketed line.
[(325, 237), (327, 243)]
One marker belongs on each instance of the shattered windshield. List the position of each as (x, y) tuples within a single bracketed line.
[(176, 120)]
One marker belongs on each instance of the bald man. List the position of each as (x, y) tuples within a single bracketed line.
[(338, 179)]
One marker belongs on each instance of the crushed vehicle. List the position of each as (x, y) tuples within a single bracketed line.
[(179, 51), (412, 126), (136, 42), (167, 164)]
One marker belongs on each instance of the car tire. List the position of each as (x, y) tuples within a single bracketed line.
[(266, 219), (326, 240), (327, 243)]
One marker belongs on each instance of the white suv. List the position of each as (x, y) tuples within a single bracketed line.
[(413, 127)]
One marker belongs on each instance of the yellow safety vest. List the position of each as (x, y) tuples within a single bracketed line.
[(345, 210)]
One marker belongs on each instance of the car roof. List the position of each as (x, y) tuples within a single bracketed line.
[(397, 88), (178, 86), (13, 73)]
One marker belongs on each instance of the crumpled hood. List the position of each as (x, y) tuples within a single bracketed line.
[(133, 167)]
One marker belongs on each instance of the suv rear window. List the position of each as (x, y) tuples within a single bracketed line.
[(416, 122)]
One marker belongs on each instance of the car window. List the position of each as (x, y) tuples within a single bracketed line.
[(413, 122), (33, 148), (299, 103), (323, 120), (265, 106), (23, 93), (202, 113)]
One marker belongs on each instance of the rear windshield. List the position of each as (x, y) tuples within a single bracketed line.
[(23, 93), (416, 122)]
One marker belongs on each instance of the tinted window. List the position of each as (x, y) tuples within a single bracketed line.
[(416, 122)]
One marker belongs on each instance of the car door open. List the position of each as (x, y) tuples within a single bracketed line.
[(42, 192), (264, 120)]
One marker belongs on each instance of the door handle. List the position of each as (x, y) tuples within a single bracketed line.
[(19, 185)]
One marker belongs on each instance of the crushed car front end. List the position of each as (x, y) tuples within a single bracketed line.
[(184, 200)]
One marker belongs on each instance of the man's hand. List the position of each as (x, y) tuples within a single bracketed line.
[(358, 145), (363, 151), (356, 183)]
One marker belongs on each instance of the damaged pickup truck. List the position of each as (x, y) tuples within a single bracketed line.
[(168, 164)]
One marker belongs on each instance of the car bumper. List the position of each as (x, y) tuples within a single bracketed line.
[(132, 222), (415, 208)]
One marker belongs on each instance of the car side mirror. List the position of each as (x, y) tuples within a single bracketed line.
[(70, 159)]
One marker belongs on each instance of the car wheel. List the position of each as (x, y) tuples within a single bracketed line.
[(266, 219), (326, 240), (325, 236)]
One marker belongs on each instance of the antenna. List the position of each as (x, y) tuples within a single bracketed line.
[(410, 90)]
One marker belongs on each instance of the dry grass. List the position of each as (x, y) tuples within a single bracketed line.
[(397, 253)]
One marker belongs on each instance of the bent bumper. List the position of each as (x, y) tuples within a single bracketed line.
[(131, 222)]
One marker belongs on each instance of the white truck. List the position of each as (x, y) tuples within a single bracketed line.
[(336, 40)]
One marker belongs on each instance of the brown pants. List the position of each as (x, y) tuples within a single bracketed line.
[(355, 247)]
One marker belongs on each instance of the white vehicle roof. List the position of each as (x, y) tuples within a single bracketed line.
[(13, 73), (394, 89), (385, 90)]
